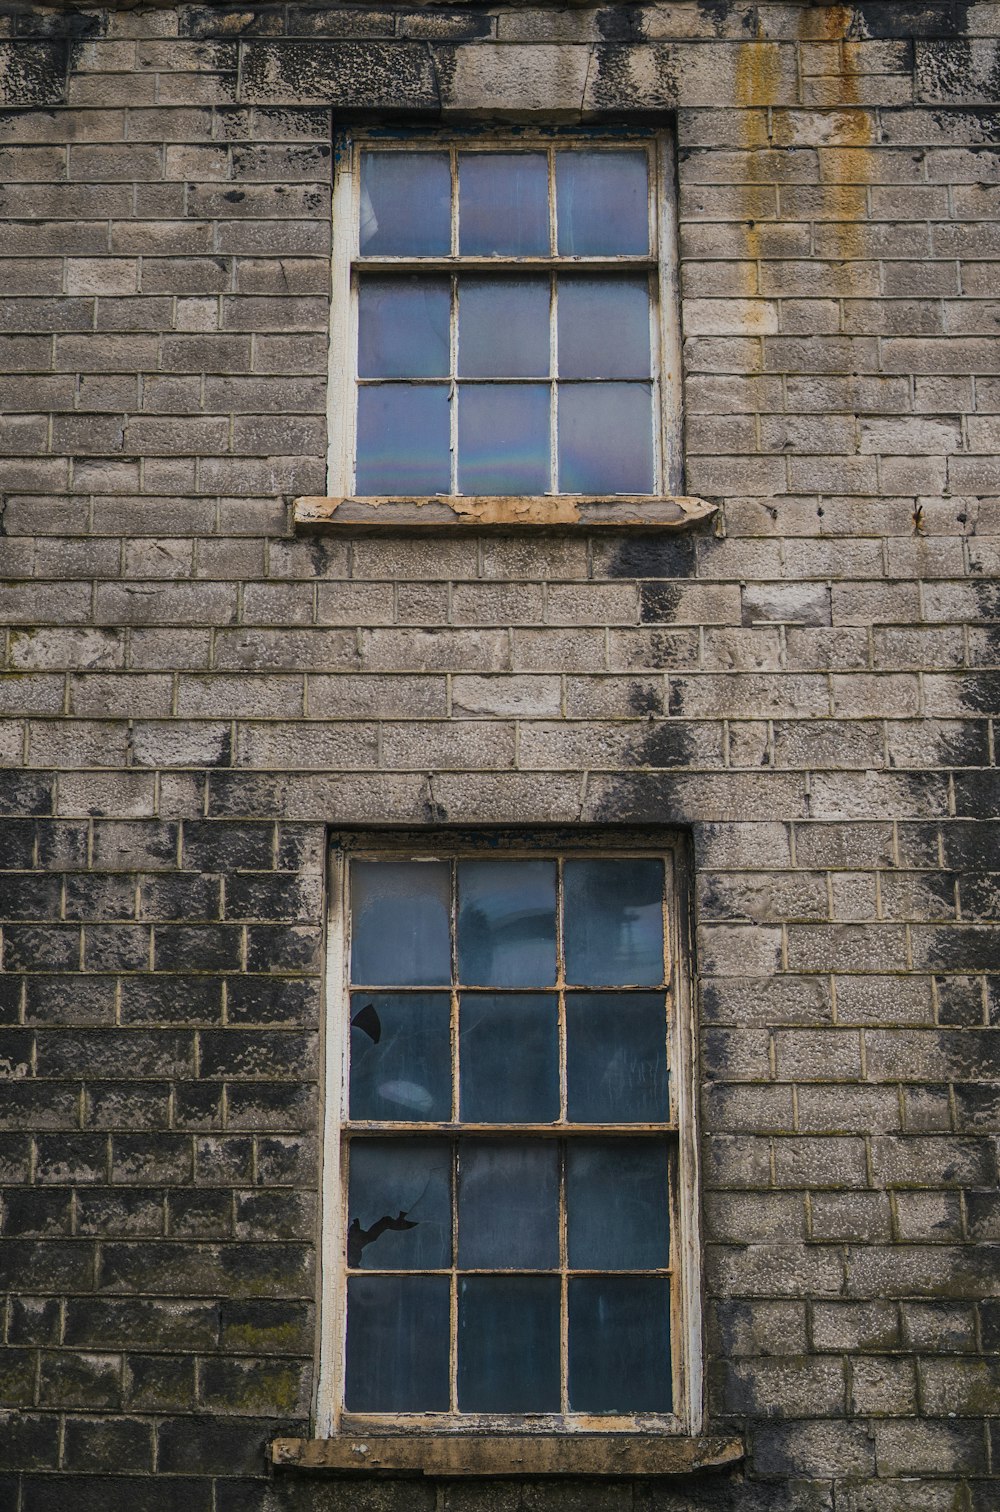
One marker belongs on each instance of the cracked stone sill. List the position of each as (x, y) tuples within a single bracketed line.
[(541, 512)]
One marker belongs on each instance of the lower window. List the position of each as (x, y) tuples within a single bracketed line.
[(509, 1167)]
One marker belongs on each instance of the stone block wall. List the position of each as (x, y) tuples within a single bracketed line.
[(192, 695)]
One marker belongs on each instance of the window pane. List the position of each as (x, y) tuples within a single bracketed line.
[(399, 1204), (508, 1344), (403, 328), (397, 1344), (503, 438), (508, 1204), (614, 922), (400, 931), (503, 327), (405, 204), (616, 1058), (605, 438), (619, 1344), (400, 1055), (503, 204), (403, 439), (601, 203), (509, 1056), (604, 327), (616, 1204), (507, 923)]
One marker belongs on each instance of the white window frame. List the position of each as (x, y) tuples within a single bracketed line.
[(347, 260), (687, 1418)]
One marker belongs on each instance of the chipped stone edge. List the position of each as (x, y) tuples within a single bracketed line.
[(539, 512)]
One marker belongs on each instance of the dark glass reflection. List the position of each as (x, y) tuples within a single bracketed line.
[(405, 204), (400, 1056), (619, 1344), (400, 929), (508, 1344), (606, 438), (616, 1057), (508, 1204), (397, 1344), (503, 327), (604, 327), (399, 1204), (614, 922), (508, 1058), (616, 1204), (503, 438), (403, 328), (404, 439), (507, 923), (503, 204), (601, 203)]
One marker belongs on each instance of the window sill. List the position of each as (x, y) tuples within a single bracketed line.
[(544, 511), (492, 1454)]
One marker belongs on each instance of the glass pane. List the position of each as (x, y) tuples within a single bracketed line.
[(604, 327), (405, 204), (399, 1204), (614, 922), (616, 1058), (399, 929), (400, 1055), (605, 438), (397, 1344), (601, 203), (403, 439), (503, 327), (503, 204), (508, 1204), (403, 328), (508, 1344), (619, 1344), (509, 1056), (507, 923), (503, 438), (616, 1204)]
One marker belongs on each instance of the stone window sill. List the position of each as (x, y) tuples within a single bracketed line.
[(546, 511), (493, 1454)]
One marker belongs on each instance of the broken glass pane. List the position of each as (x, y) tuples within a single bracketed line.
[(508, 1204), (616, 1204), (508, 1344), (509, 1058), (606, 438), (503, 438), (404, 439), (507, 923), (399, 1204), (503, 204), (405, 204), (614, 922), (503, 327), (616, 1057), (619, 1344), (602, 203), (403, 328), (401, 1056), (400, 932), (397, 1344), (604, 327)]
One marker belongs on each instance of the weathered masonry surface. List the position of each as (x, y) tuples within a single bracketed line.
[(192, 694)]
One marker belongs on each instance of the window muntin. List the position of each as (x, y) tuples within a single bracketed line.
[(507, 311), (508, 1150)]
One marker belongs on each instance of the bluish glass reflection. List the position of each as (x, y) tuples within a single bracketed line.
[(508, 1204), (508, 1058), (602, 202), (400, 1056), (606, 438), (403, 328), (405, 204), (604, 327), (507, 923), (503, 438), (400, 923), (616, 1204), (397, 1344), (616, 1057), (399, 1204), (619, 1344), (403, 439), (503, 327), (613, 922), (503, 204), (508, 1344)]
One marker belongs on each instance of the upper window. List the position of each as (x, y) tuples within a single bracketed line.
[(506, 311)]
